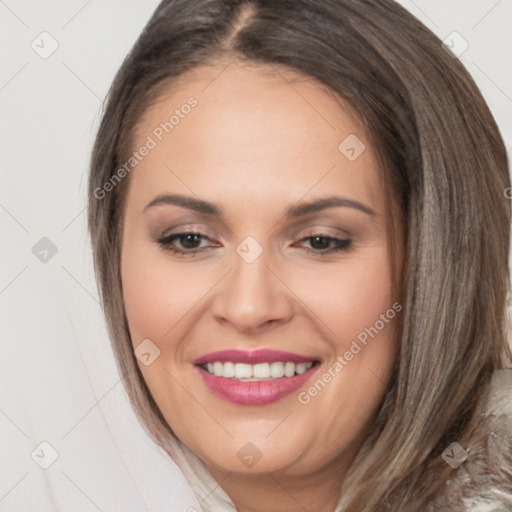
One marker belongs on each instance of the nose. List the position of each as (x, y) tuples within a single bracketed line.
[(252, 296)]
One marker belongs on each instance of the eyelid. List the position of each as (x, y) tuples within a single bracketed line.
[(187, 228), (326, 231)]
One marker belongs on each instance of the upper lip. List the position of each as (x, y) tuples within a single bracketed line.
[(253, 357)]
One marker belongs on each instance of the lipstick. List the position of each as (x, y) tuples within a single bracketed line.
[(255, 377)]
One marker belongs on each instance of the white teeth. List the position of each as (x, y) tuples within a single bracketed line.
[(218, 369), (243, 371), (229, 370), (277, 370), (261, 371), (289, 370), (254, 372), (300, 368)]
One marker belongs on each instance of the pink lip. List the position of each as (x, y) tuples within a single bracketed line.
[(253, 357), (254, 393)]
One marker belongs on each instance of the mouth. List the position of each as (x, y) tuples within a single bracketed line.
[(255, 377), (256, 372)]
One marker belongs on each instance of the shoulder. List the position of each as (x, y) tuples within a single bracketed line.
[(500, 396), (498, 406), (497, 497)]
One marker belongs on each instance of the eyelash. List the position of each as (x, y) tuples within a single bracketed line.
[(166, 243)]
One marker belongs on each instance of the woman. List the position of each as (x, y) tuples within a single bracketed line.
[(300, 234)]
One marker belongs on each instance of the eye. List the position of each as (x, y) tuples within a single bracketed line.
[(325, 244), (189, 241)]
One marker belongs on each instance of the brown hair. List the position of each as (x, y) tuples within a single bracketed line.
[(445, 162)]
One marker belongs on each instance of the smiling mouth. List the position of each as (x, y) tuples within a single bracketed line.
[(256, 384), (255, 377), (257, 372)]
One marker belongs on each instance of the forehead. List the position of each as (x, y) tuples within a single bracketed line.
[(266, 128)]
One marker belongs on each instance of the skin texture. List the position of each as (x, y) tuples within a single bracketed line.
[(258, 142)]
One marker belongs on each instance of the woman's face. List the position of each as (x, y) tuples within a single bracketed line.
[(288, 272)]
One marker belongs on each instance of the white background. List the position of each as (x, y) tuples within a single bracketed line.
[(58, 381)]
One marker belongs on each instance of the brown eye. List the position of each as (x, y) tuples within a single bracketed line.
[(183, 243), (321, 243)]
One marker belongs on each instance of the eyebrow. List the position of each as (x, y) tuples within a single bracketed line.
[(294, 211)]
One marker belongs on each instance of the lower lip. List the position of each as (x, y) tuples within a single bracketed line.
[(256, 392)]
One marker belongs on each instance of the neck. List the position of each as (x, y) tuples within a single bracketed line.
[(268, 492)]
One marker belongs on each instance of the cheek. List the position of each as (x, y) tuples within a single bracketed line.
[(157, 294), (349, 298), (358, 314)]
